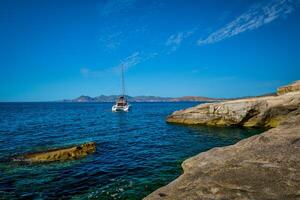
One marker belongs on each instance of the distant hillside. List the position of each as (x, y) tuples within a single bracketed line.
[(112, 98), (193, 98)]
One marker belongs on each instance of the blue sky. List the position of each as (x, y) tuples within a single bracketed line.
[(53, 50)]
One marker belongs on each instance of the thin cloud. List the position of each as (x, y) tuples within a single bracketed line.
[(112, 40), (175, 40), (254, 18), (137, 58), (134, 59), (117, 30), (128, 62), (113, 36), (131, 60)]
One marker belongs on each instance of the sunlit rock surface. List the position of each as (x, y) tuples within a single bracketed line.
[(266, 111), (59, 154), (289, 88), (265, 166)]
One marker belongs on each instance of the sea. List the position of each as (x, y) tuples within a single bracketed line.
[(137, 152)]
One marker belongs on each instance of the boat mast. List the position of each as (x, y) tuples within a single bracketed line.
[(123, 81)]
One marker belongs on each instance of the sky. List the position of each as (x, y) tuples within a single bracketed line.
[(61, 49)]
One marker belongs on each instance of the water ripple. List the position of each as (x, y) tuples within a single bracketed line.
[(137, 152)]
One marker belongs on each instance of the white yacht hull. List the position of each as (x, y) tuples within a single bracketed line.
[(116, 108)]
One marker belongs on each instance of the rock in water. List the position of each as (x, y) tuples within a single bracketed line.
[(266, 111), (265, 166), (59, 154)]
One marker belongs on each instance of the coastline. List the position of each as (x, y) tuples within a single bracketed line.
[(264, 166)]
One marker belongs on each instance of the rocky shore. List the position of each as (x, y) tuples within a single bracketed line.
[(265, 166), (266, 111), (59, 154)]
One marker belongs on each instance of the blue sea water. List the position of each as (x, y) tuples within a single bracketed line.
[(137, 152)]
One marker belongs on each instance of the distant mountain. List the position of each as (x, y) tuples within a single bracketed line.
[(193, 98), (112, 98)]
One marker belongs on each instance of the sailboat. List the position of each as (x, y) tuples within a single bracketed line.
[(121, 103)]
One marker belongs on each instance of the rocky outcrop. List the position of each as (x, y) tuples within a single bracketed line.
[(252, 112), (265, 166), (60, 154), (289, 88)]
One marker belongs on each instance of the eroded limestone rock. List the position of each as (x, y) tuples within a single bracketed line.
[(59, 154), (289, 88), (265, 166), (252, 112)]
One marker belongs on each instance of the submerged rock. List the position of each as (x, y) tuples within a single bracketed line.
[(265, 166), (59, 154), (266, 111)]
